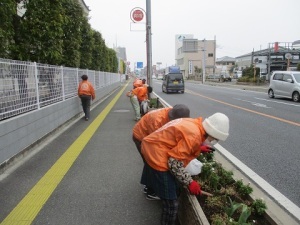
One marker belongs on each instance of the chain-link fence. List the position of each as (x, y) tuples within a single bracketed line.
[(26, 86)]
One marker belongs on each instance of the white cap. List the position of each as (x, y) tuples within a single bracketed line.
[(217, 126)]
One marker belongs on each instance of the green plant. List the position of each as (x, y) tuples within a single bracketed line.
[(214, 181), (233, 207), (215, 202), (259, 207), (245, 211), (243, 189), (206, 171), (219, 182), (227, 176), (219, 219), (298, 67)]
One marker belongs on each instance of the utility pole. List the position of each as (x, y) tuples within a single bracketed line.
[(203, 62), (149, 42)]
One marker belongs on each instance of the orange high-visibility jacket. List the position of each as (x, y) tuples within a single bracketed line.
[(86, 88), (151, 122), (179, 139), (141, 93)]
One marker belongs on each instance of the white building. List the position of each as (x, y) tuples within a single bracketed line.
[(21, 10)]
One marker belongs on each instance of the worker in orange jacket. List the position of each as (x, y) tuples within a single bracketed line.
[(150, 123), (137, 95), (156, 119), (86, 93), (137, 83), (167, 152)]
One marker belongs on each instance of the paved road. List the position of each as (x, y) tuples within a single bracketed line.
[(96, 183)]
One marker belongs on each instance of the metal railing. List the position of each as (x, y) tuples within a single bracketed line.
[(27, 86)]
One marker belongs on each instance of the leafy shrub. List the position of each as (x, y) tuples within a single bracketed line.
[(220, 209), (259, 207)]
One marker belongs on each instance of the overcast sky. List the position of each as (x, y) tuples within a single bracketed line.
[(238, 25)]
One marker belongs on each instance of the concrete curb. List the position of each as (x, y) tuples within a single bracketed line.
[(190, 211)]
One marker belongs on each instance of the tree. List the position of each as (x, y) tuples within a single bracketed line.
[(112, 59), (97, 52), (41, 38), (7, 15), (53, 32), (87, 45), (73, 20)]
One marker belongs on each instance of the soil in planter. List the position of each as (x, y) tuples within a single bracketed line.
[(230, 203), (210, 211)]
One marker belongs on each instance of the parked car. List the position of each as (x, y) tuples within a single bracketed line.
[(224, 77), (285, 84), (238, 74)]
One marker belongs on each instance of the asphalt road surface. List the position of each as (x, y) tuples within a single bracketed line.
[(264, 132)]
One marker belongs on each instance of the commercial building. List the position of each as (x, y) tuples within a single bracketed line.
[(194, 56), (278, 56)]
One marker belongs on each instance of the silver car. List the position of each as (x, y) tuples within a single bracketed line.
[(285, 84)]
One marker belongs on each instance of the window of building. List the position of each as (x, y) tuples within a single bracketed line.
[(190, 45), (210, 55)]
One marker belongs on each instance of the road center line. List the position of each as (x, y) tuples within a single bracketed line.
[(245, 109)]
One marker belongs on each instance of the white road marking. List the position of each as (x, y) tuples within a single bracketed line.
[(278, 102), (254, 103)]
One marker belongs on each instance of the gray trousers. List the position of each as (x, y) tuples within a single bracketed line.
[(86, 103)]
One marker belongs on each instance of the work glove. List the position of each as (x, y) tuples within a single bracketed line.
[(194, 188), (206, 149)]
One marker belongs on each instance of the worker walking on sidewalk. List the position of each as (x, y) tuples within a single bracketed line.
[(86, 93), (167, 152)]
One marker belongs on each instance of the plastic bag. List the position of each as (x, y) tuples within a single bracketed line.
[(194, 167)]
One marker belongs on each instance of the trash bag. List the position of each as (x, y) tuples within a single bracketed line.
[(194, 167), (144, 107)]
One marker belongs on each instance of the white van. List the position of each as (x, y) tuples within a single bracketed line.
[(285, 84)]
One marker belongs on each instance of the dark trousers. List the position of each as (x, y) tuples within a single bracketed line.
[(170, 212), (138, 144), (86, 103)]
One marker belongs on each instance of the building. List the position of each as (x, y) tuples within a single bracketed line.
[(21, 10), (85, 8), (225, 65), (121, 55), (279, 56), (193, 55)]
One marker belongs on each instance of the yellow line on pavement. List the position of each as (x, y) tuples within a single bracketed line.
[(29, 207), (245, 109)]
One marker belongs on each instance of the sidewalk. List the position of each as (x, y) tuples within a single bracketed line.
[(100, 187)]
